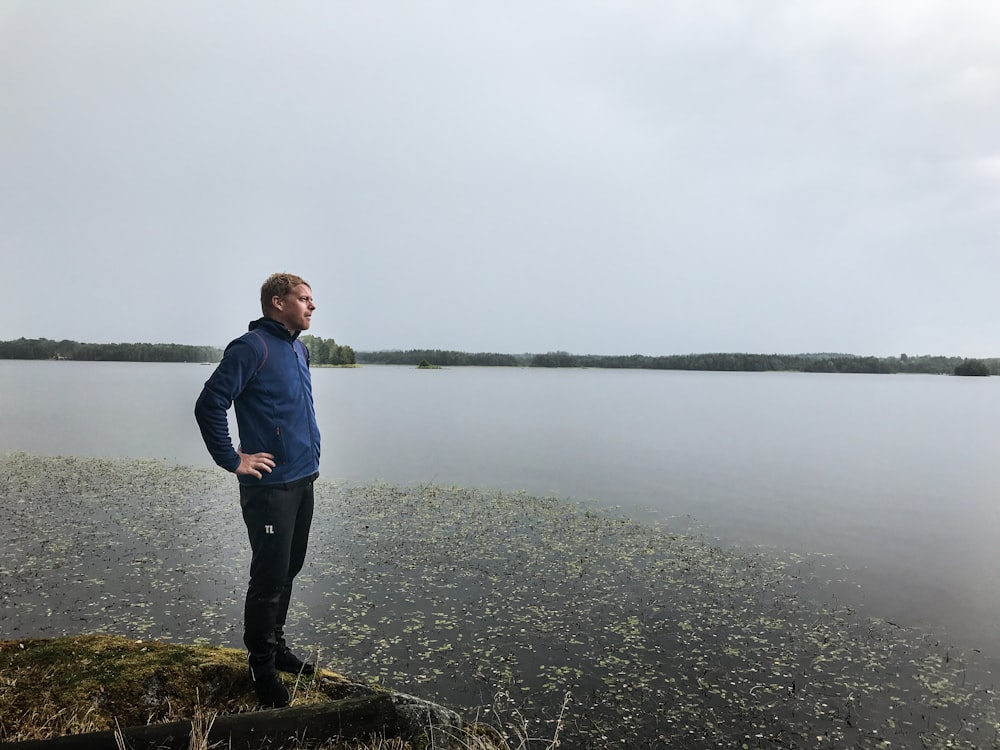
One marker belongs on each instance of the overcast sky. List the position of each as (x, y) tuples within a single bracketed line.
[(598, 177)]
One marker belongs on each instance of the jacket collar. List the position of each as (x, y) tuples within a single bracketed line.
[(274, 328)]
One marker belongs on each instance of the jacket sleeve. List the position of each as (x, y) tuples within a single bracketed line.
[(239, 364)]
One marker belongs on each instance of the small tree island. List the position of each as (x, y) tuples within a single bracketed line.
[(974, 368)]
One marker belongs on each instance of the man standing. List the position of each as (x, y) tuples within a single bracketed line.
[(265, 373)]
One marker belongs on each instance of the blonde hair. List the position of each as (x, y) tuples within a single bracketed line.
[(278, 285)]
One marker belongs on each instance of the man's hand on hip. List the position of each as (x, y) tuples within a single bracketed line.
[(254, 463)]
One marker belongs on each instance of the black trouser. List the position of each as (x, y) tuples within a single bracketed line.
[(278, 518)]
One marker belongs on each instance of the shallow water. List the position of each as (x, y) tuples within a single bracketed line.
[(894, 477), (471, 598)]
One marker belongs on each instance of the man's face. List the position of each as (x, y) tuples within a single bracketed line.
[(295, 309)]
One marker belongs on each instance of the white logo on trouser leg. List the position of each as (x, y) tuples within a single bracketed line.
[(269, 529)]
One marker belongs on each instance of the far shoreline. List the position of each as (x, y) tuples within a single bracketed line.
[(327, 352)]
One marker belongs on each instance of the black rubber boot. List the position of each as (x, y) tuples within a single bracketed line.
[(286, 661), (271, 691)]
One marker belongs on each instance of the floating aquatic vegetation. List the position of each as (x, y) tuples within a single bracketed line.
[(458, 595)]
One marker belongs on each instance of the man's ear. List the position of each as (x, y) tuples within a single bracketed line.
[(276, 302)]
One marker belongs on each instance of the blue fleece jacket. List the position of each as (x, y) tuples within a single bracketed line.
[(265, 373)]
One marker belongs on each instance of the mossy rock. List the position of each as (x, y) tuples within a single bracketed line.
[(50, 687)]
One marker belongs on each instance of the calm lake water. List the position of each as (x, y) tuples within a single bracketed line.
[(895, 477)]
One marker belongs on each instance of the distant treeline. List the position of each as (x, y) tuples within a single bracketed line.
[(741, 362), (74, 350), (328, 352), (724, 362), (322, 351), (443, 358)]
